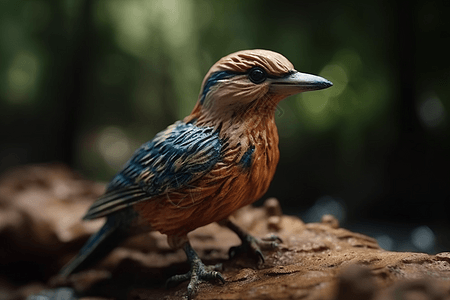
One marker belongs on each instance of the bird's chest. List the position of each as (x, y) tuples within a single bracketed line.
[(262, 169), (252, 164)]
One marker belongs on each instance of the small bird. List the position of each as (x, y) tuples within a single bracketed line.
[(201, 169)]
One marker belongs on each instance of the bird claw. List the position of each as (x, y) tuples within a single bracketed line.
[(273, 241), (198, 274), (176, 279), (253, 245)]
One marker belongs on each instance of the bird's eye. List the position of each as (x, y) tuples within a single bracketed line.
[(257, 75)]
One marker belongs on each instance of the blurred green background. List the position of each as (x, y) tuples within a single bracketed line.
[(86, 82)]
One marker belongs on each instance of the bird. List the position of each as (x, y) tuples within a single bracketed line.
[(201, 169)]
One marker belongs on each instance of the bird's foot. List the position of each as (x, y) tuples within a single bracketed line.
[(251, 244), (198, 273), (254, 246)]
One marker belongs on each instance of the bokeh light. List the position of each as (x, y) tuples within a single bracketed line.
[(423, 238), (22, 78), (114, 146), (432, 112), (325, 205)]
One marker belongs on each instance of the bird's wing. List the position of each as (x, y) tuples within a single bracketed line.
[(175, 157)]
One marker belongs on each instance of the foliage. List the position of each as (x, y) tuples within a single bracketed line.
[(87, 82)]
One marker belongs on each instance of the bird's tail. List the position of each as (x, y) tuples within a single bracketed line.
[(98, 246)]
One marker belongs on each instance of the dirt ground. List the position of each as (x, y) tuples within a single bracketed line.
[(41, 229)]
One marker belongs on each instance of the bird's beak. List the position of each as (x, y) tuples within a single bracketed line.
[(297, 82)]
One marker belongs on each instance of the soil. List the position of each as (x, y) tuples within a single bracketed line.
[(41, 229)]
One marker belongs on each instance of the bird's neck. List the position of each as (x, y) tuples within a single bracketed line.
[(241, 125)]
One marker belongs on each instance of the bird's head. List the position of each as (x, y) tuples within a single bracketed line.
[(259, 77)]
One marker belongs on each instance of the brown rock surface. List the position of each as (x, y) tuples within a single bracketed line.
[(41, 229)]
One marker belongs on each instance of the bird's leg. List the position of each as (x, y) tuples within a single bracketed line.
[(251, 244), (198, 272)]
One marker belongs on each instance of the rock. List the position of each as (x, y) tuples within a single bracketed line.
[(40, 211), (41, 229)]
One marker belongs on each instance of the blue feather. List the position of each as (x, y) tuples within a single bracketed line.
[(174, 158), (247, 158), (212, 80)]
